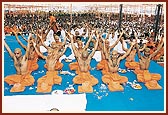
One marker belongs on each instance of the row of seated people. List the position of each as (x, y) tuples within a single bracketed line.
[(109, 64)]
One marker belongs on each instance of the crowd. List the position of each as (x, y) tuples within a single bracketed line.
[(84, 34)]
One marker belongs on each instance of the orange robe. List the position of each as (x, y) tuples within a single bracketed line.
[(145, 76), (45, 83), (85, 88), (84, 77), (23, 80), (74, 66), (149, 79), (114, 77), (58, 66), (130, 62), (132, 65), (32, 63), (114, 81), (151, 85), (103, 65)]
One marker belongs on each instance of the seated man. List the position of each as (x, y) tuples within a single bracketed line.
[(56, 46), (80, 49), (103, 63), (45, 83), (112, 78), (32, 55), (23, 77), (84, 67), (130, 59), (143, 74)]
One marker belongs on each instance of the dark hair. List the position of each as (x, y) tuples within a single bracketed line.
[(58, 33), (78, 37)]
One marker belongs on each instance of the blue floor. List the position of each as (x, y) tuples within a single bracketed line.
[(101, 99)]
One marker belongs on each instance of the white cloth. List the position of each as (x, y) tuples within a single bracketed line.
[(62, 36), (44, 103), (118, 47), (50, 37), (97, 56)]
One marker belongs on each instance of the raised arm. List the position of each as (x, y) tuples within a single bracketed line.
[(28, 47), (38, 52), (65, 39), (40, 37), (19, 41), (63, 51), (116, 41), (138, 52), (87, 44), (142, 49), (108, 34), (48, 31), (72, 44), (23, 37), (9, 50), (95, 47), (158, 48), (128, 52), (122, 42)]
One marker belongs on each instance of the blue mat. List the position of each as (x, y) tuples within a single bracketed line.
[(101, 99)]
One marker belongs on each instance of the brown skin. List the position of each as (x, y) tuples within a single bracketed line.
[(145, 60), (52, 57), (114, 60), (80, 48), (20, 61), (84, 58), (31, 54), (108, 48), (131, 56)]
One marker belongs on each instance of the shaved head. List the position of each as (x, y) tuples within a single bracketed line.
[(18, 50), (85, 54)]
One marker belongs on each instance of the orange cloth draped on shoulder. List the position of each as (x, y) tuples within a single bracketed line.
[(74, 66), (22, 80), (145, 76), (58, 65), (103, 65), (32, 65), (45, 83), (114, 77), (83, 77), (130, 61), (132, 65)]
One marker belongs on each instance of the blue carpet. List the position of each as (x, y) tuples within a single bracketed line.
[(101, 99)]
